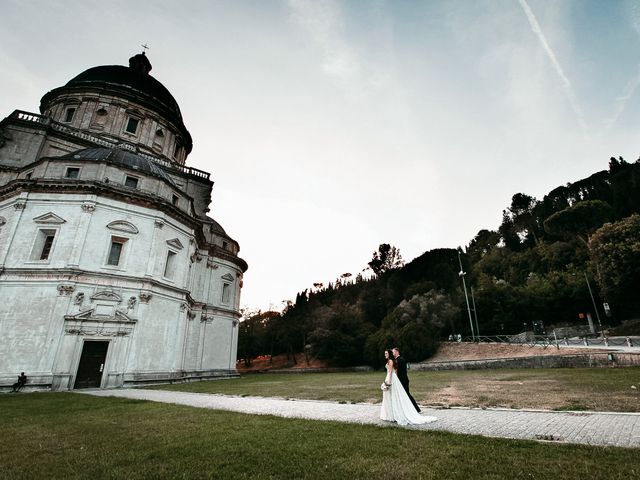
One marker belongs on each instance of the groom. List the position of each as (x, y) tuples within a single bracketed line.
[(402, 375)]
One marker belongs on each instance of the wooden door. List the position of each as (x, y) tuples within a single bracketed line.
[(94, 354)]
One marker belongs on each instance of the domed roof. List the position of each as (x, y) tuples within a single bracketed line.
[(122, 157), (126, 76), (215, 227), (133, 81)]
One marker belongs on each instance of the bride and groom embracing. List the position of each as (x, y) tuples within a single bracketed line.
[(397, 403)]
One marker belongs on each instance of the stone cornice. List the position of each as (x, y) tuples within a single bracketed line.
[(73, 276), (108, 190), (78, 276), (219, 252), (194, 304)]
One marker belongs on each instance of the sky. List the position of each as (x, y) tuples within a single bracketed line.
[(330, 127)]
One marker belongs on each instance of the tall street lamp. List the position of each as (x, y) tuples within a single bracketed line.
[(594, 302), (461, 274), (475, 312)]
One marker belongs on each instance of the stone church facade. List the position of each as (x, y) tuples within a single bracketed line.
[(112, 273)]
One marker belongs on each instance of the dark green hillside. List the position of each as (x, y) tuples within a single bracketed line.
[(532, 273)]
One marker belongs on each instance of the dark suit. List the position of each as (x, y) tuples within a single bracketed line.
[(404, 379), (22, 380)]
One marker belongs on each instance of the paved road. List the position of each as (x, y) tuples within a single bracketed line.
[(614, 429)]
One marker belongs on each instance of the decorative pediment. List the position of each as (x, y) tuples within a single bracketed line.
[(122, 317), (50, 219), (123, 226), (175, 243), (108, 295), (86, 315), (228, 277), (80, 316), (88, 323)]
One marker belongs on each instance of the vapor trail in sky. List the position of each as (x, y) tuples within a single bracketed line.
[(632, 85), (535, 27), (621, 101)]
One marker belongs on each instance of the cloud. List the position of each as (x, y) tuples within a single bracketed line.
[(324, 22), (535, 27)]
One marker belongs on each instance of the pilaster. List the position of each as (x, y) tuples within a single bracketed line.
[(88, 208), (151, 263), (19, 207)]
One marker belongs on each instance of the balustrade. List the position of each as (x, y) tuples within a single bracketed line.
[(41, 119)]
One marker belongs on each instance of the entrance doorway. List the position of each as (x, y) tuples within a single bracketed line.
[(91, 364)]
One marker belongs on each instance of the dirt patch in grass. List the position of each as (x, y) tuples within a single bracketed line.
[(496, 392), (548, 389)]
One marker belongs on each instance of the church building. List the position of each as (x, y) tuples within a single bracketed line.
[(112, 271)]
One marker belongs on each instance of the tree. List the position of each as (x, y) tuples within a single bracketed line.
[(523, 213), (482, 243), (414, 326), (386, 258), (616, 165), (579, 220), (625, 185), (254, 334), (520, 222), (340, 336), (615, 250)]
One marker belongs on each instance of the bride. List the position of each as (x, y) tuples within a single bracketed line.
[(396, 406)]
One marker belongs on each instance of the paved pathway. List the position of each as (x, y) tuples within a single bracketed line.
[(615, 429)]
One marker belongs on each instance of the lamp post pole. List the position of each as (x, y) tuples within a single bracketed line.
[(593, 301), (464, 286), (475, 312)]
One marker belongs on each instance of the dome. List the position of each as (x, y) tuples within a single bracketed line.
[(215, 227), (132, 82), (121, 157), (121, 76)]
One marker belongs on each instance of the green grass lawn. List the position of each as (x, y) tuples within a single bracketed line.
[(597, 389), (74, 436)]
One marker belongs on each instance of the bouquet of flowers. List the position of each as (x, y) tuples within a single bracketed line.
[(385, 386)]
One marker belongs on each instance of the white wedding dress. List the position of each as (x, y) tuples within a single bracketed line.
[(396, 406)]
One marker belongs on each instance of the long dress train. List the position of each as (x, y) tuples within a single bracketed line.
[(396, 405)]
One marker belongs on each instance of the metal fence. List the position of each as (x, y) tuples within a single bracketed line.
[(527, 338)]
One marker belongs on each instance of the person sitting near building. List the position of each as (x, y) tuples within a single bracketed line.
[(22, 380)]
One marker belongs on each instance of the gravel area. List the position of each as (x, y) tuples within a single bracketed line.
[(590, 428)]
